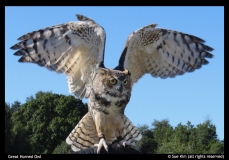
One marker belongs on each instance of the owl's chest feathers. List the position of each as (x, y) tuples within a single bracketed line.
[(108, 104)]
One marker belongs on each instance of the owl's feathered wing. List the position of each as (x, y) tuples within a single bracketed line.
[(162, 53), (75, 49)]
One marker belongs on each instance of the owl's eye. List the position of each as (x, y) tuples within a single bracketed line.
[(125, 82), (112, 81)]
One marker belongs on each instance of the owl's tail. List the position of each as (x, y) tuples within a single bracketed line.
[(130, 133), (84, 135)]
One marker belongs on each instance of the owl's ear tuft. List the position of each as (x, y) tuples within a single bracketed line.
[(103, 71), (127, 72)]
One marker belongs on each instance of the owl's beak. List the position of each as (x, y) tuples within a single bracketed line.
[(119, 88)]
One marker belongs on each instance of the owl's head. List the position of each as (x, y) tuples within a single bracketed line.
[(114, 83)]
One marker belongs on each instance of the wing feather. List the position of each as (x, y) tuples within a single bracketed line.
[(162, 53), (75, 49)]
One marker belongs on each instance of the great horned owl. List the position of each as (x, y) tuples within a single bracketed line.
[(105, 121), (77, 50)]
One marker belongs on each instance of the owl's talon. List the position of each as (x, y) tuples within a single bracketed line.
[(102, 143), (124, 144)]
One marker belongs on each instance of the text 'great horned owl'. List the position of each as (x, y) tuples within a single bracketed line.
[(77, 50)]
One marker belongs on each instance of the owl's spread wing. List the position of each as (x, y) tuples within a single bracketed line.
[(162, 53), (75, 49)]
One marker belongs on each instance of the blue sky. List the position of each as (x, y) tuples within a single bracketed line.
[(192, 97)]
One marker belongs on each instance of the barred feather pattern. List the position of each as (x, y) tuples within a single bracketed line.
[(130, 134), (75, 49), (84, 135), (163, 53)]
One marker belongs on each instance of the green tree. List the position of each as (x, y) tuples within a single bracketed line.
[(45, 121), (15, 106), (8, 126), (216, 147), (178, 142), (205, 137), (183, 139), (147, 144), (62, 148), (162, 131)]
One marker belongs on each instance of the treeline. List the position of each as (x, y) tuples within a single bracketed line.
[(162, 138), (42, 123)]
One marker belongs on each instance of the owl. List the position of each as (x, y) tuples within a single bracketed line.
[(77, 50)]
